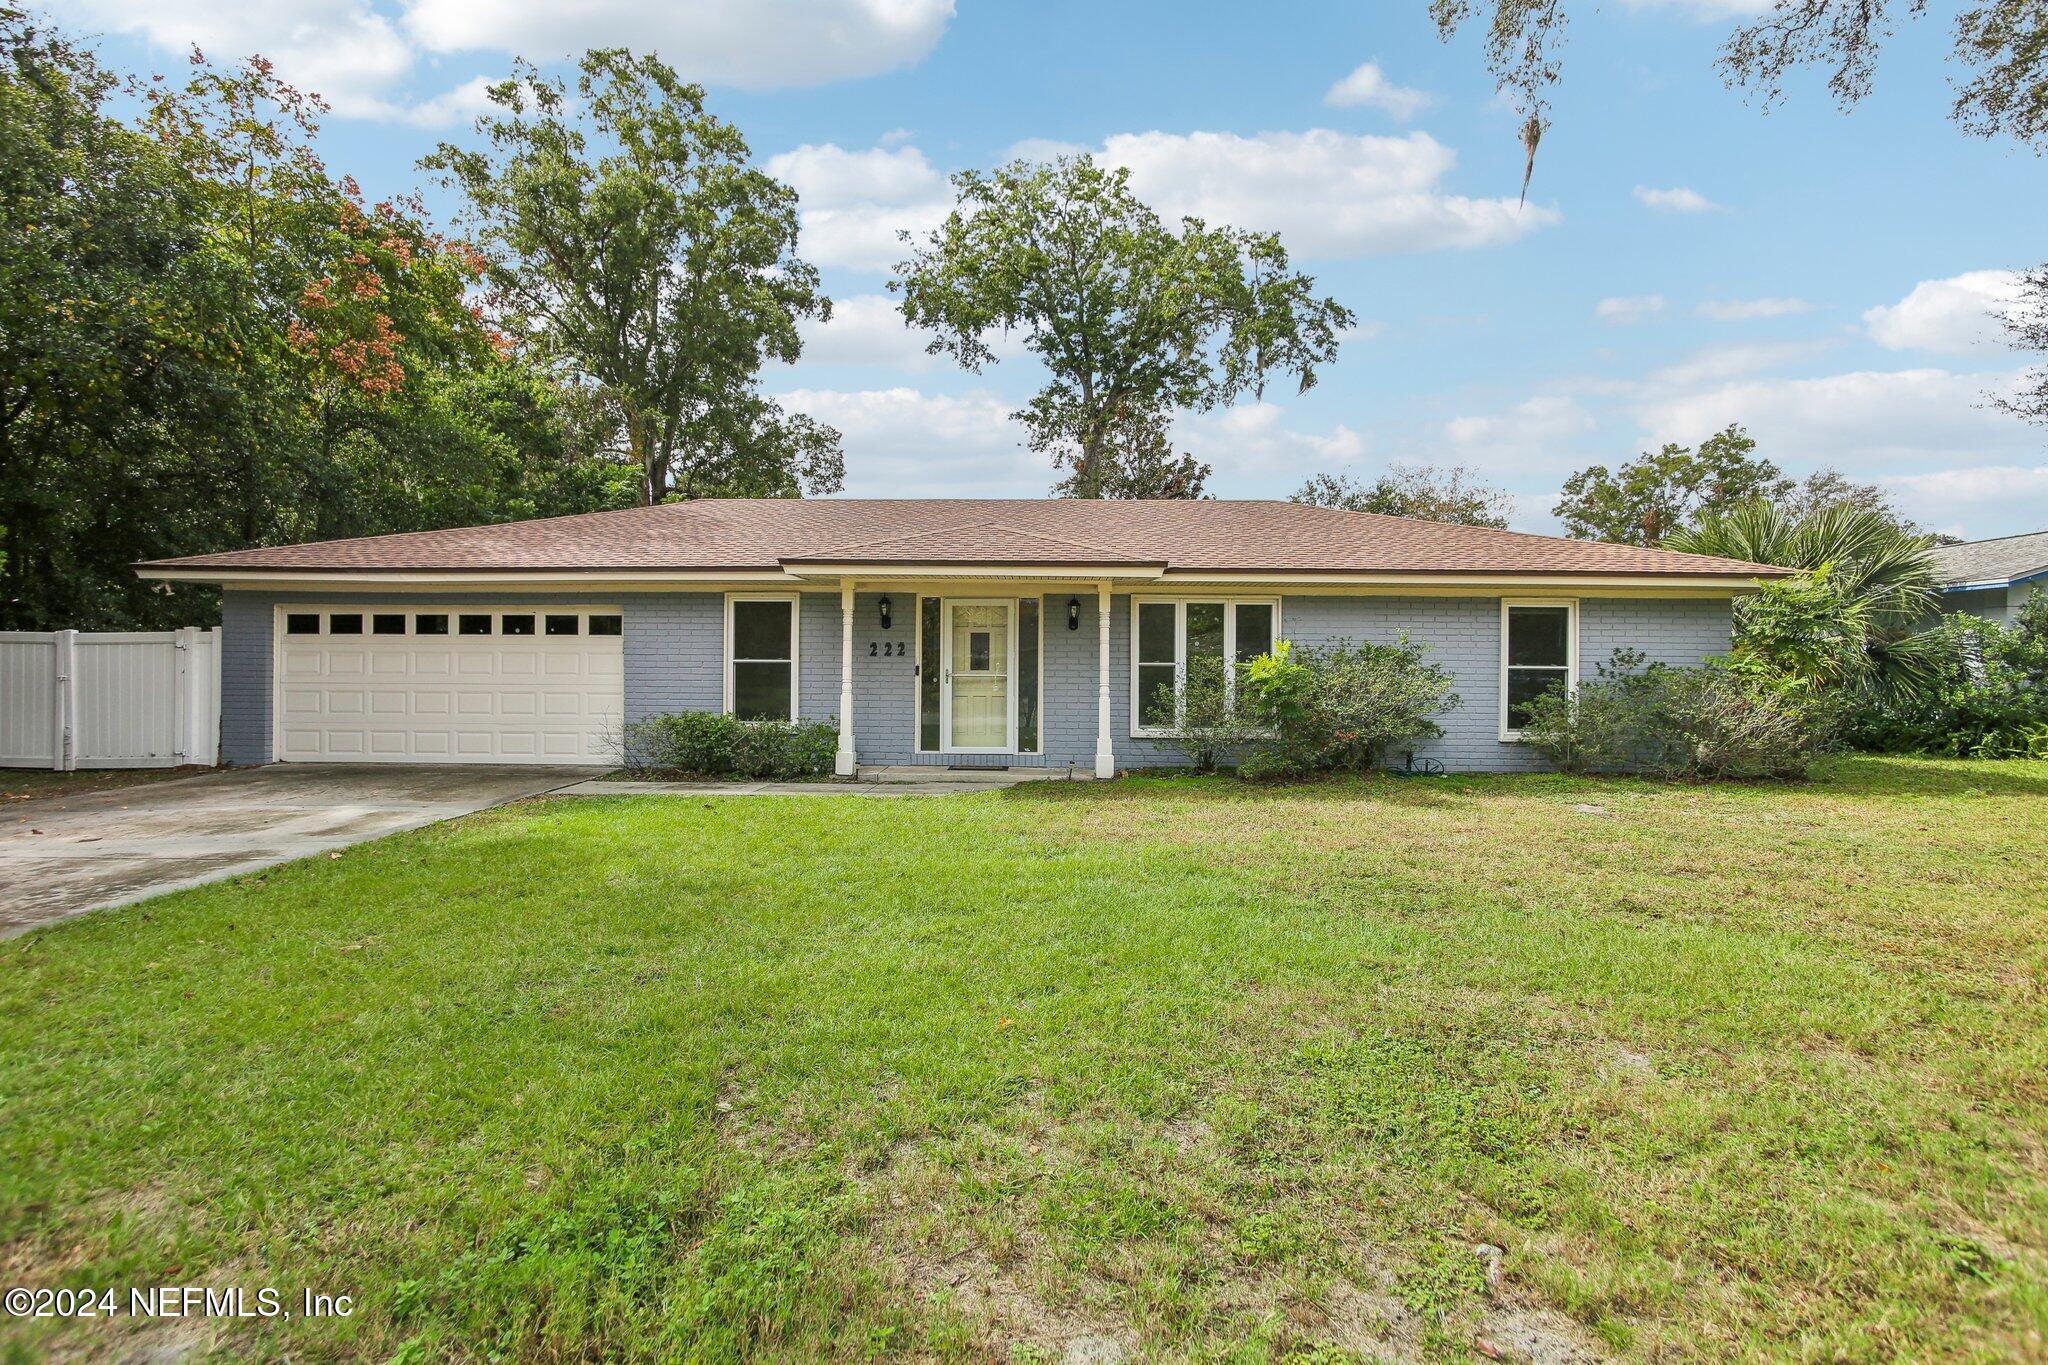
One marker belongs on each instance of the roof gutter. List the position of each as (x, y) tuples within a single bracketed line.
[(1985, 584)]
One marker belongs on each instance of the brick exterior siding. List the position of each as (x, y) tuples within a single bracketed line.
[(675, 661)]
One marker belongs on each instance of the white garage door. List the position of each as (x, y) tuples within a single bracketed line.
[(448, 684)]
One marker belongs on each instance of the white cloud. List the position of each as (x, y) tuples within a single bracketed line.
[(1853, 421), (1717, 364), (903, 442), (342, 50), (868, 330), (1528, 428), (1367, 86), (1986, 500), (752, 44), (360, 60), (448, 108), (1745, 310), (1255, 453), (855, 202), (1624, 311), (1326, 193), (1677, 199), (1959, 314)]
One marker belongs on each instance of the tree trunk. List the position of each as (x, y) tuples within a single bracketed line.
[(653, 468)]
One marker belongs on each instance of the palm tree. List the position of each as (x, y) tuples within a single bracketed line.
[(1884, 570)]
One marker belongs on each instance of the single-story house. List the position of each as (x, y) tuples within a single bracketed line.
[(1992, 578), (931, 631)]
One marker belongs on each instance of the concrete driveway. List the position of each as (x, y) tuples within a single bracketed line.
[(63, 855)]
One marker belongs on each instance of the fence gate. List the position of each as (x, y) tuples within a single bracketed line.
[(117, 699)]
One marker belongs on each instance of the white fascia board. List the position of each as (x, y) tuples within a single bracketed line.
[(423, 581)]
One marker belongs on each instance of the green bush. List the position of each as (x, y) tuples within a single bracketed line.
[(1339, 707), (1711, 722), (1209, 725), (1988, 697), (712, 744)]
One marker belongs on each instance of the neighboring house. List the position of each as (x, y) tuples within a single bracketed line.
[(1993, 578), (933, 631)]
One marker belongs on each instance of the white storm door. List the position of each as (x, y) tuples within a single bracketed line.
[(977, 696)]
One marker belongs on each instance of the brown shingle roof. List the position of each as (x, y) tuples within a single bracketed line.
[(1186, 537)]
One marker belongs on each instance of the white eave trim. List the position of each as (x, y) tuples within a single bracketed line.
[(654, 580), (594, 580), (1062, 573)]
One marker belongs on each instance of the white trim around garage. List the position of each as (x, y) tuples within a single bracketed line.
[(359, 695)]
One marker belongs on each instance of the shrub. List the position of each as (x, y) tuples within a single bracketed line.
[(1711, 722), (1337, 708), (1208, 725), (1988, 697), (709, 743), (1807, 626)]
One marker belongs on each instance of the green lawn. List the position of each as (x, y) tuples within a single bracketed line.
[(1213, 1071)]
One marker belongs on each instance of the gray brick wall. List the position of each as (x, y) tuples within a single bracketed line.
[(1463, 634), (675, 650)]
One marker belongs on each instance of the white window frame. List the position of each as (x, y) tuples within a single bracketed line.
[(1571, 652), (796, 612), (1230, 604)]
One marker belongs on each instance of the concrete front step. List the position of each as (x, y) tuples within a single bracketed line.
[(925, 774)]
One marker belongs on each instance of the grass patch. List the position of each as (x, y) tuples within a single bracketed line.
[(1211, 1070), (29, 784)]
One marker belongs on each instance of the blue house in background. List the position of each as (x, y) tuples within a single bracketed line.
[(1993, 578)]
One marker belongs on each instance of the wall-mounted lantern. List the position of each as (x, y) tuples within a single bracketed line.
[(1073, 613), (885, 612)]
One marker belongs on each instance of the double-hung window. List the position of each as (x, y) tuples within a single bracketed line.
[(1174, 637), (760, 657), (1539, 653)]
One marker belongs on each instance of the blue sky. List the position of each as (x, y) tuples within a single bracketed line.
[(1685, 259)]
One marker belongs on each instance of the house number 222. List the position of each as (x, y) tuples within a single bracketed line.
[(884, 649)]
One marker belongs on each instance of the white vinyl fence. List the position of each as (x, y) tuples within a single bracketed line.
[(119, 699)]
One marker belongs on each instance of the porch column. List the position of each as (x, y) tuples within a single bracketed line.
[(1105, 753), (843, 764)]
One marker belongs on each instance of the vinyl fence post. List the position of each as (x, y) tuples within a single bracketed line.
[(64, 660), (185, 693), (210, 754)]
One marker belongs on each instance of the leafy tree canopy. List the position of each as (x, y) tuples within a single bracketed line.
[(2002, 45), (1426, 492), (208, 341), (1657, 493), (1862, 566), (637, 246), (1132, 318), (1138, 461)]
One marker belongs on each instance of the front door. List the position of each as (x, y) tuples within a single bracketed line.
[(981, 650)]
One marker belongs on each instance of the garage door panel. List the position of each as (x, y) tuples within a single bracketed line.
[(448, 699)]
